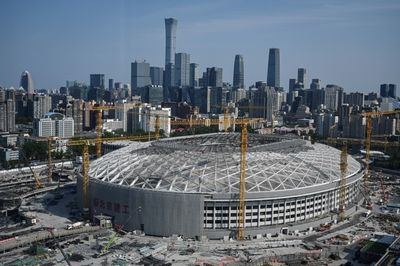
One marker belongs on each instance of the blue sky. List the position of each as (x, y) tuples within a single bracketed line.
[(354, 44)]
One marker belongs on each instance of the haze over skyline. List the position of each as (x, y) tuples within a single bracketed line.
[(351, 44)]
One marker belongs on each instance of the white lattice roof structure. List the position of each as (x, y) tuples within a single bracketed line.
[(211, 164)]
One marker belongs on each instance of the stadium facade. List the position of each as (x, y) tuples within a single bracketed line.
[(190, 185)]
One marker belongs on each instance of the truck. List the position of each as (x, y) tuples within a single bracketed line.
[(75, 225), (78, 159)]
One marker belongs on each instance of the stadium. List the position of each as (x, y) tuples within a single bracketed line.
[(190, 185)]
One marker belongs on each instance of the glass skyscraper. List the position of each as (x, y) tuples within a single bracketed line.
[(182, 69), (140, 76), (238, 72), (170, 47), (273, 75), (27, 82)]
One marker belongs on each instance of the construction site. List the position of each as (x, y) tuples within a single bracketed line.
[(228, 198)]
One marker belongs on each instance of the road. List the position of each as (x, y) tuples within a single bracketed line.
[(356, 219)]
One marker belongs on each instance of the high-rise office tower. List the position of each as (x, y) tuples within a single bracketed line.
[(263, 100), (354, 98), (110, 84), (384, 92), (170, 47), (333, 97), (140, 76), (238, 72), (169, 75), (182, 69), (273, 76), (392, 90), (194, 75), (214, 77), (292, 84), (27, 82), (388, 90), (301, 76), (315, 84), (170, 40), (157, 75), (97, 81)]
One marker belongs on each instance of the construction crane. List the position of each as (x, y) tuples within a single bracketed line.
[(243, 122), (85, 143), (343, 142), (99, 124), (369, 116), (242, 181), (38, 184)]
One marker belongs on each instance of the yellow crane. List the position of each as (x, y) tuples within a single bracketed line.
[(99, 124), (38, 184), (85, 143), (369, 116), (243, 122), (242, 182), (343, 142)]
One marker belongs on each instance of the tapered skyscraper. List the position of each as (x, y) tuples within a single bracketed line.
[(170, 46), (273, 77), (170, 40), (26, 82), (238, 72)]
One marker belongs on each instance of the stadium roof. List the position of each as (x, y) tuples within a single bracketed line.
[(211, 164)]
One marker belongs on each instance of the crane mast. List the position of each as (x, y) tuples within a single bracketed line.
[(85, 174), (99, 131), (242, 182)]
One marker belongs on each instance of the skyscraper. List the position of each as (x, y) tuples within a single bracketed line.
[(333, 97), (140, 76), (238, 72), (388, 90), (110, 84), (182, 69), (315, 84), (214, 77), (97, 81), (292, 84), (7, 110), (27, 82), (170, 46), (157, 75), (170, 40), (392, 90), (301, 76), (194, 75), (273, 76)]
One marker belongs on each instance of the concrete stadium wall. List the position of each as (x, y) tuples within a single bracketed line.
[(155, 212)]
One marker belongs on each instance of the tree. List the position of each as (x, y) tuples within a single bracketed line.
[(35, 150)]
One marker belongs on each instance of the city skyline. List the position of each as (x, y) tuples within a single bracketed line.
[(64, 51)]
